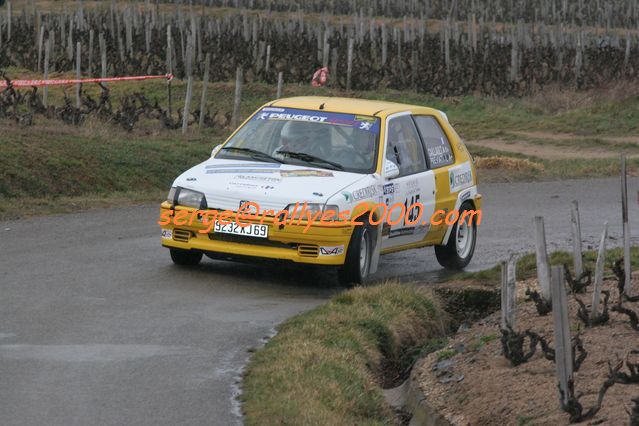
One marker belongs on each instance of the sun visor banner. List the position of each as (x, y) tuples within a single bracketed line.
[(361, 122)]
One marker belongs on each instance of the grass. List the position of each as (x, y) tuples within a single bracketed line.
[(445, 354), (52, 167), (475, 344), (527, 265), (325, 366)]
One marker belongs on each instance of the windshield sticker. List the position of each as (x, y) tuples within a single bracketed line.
[(260, 165), (225, 170), (369, 124), (305, 173)]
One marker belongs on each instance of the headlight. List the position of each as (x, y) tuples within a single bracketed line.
[(171, 197), (187, 197), (302, 211)]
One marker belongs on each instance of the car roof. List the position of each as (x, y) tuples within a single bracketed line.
[(348, 105)]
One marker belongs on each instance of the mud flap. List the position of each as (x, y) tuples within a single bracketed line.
[(376, 250)]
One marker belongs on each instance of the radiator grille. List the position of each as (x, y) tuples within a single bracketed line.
[(181, 235), (308, 250)]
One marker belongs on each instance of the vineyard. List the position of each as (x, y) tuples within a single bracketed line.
[(444, 48)]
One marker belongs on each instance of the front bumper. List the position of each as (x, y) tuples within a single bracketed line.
[(285, 242)]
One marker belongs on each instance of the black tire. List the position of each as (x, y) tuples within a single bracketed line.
[(185, 257), (355, 270), (453, 255)]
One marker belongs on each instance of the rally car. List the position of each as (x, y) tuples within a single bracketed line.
[(358, 159)]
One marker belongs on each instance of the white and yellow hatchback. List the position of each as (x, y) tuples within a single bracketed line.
[(328, 181)]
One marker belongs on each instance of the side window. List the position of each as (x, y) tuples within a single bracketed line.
[(435, 141), (404, 147)]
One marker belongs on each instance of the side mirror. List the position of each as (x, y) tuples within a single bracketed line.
[(391, 171)]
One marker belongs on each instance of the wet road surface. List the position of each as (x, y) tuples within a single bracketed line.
[(98, 327)]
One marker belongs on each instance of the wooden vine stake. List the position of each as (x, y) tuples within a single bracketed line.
[(508, 295), (599, 270), (561, 324), (626, 228), (576, 239), (543, 265)]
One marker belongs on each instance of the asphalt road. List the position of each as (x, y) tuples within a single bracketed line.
[(97, 327)]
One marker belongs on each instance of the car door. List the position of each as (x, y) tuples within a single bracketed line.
[(440, 158), (410, 196)]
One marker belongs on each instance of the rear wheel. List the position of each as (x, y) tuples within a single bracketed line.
[(357, 265), (459, 250), (185, 257)]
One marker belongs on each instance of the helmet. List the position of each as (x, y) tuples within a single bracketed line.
[(294, 130), (303, 136)]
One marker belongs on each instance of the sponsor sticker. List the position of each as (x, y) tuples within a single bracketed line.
[(412, 184), (440, 155), (389, 188), (261, 179), (244, 185), (167, 234), (305, 173), (465, 196), (460, 177), (250, 209), (331, 250), (363, 193), (400, 232)]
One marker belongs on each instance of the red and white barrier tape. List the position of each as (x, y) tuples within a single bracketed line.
[(31, 83)]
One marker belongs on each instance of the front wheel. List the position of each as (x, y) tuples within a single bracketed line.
[(459, 250), (357, 266), (185, 257)]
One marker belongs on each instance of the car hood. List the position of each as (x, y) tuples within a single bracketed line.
[(226, 183)]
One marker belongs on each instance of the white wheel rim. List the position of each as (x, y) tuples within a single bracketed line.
[(363, 254), (464, 238)]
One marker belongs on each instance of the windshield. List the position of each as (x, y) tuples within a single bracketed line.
[(318, 139)]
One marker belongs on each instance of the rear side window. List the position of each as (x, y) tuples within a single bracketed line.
[(435, 141)]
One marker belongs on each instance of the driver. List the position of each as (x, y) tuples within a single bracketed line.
[(295, 136), (309, 138)]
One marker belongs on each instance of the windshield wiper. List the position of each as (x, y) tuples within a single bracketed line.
[(253, 153), (309, 158)]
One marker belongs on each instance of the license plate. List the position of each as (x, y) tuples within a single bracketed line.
[(251, 230)]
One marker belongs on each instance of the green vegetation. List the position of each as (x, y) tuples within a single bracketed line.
[(445, 354), (325, 366), (475, 344), (52, 164)]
